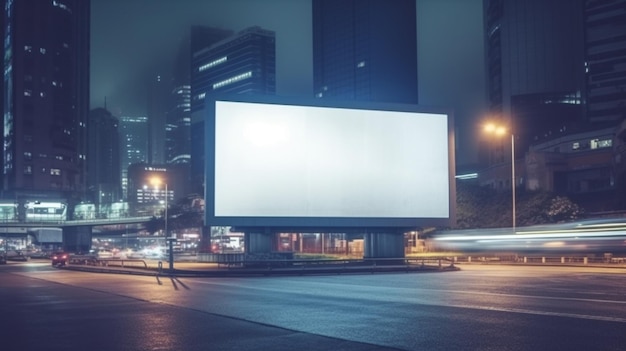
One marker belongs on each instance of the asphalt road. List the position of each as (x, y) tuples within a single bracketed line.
[(481, 307)]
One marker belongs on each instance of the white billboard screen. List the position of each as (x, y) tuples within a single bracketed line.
[(298, 161)]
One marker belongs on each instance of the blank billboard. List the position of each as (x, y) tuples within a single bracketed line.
[(271, 164)]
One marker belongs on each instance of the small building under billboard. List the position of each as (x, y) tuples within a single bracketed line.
[(276, 165)]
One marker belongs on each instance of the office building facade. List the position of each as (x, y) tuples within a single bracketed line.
[(103, 157), (45, 97), (365, 50), (244, 63), (134, 141), (178, 126), (605, 60), (535, 72)]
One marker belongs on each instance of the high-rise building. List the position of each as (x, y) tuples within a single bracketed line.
[(134, 140), (365, 50), (46, 97), (536, 78), (241, 64), (103, 157), (178, 126), (159, 97), (605, 60)]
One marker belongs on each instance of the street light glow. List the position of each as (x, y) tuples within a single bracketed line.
[(496, 129), (501, 130)]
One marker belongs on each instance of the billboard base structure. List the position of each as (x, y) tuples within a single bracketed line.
[(383, 245), (77, 239), (377, 245)]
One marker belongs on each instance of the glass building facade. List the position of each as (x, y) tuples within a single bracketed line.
[(605, 51), (45, 96), (244, 63), (134, 145), (365, 50)]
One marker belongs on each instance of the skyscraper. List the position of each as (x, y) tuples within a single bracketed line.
[(134, 140), (241, 64), (46, 96), (535, 55), (103, 157), (178, 127), (605, 60), (365, 50)]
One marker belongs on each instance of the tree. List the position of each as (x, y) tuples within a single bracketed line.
[(563, 209), (483, 207)]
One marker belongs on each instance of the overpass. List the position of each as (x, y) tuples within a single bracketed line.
[(76, 234)]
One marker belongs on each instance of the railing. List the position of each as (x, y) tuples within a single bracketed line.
[(270, 262), (117, 262), (553, 260)]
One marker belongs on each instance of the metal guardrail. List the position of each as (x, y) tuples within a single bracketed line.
[(240, 260), (555, 260), (106, 262)]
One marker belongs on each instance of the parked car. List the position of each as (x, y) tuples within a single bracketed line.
[(16, 255), (60, 258)]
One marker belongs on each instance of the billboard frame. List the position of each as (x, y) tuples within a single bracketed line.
[(320, 224)]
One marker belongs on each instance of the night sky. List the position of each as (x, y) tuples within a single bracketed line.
[(132, 40)]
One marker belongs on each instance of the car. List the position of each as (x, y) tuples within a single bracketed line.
[(60, 258)]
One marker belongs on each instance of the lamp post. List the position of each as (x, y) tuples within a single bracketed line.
[(501, 130), (170, 241)]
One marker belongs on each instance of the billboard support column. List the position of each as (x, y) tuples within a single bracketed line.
[(383, 245), (258, 242), (77, 239)]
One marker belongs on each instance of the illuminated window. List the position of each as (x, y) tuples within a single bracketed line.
[(28, 92), (61, 6), (28, 155), (575, 146), (361, 64), (55, 171), (598, 144), (42, 50), (212, 63), (28, 169), (232, 80)]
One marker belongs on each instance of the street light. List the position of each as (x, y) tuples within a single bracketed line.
[(156, 182), (499, 131)]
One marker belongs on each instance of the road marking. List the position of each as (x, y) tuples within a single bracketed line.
[(542, 313)]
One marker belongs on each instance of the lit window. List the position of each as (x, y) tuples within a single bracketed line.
[(597, 143), (232, 80), (55, 171), (28, 155), (212, 63), (61, 6), (28, 92), (28, 169), (361, 64), (575, 146), (42, 50), (28, 48), (59, 157)]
